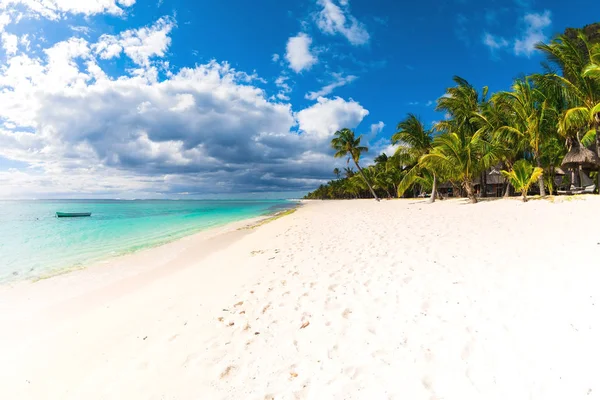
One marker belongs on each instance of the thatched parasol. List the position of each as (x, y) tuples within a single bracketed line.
[(580, 156)]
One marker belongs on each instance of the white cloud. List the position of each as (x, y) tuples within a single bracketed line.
[(281, 83), (84, 30), (56, 9), (535, 24), (298, 53), (377, 128), (284, 88), (5, 19), (336, 19), (327, 116), (25, 42), (10, 43), (338, 81), (138, 44), (195, 130), (494, 42), (275, 57)]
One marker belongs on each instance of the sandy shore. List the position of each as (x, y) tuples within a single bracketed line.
[(340, 300)]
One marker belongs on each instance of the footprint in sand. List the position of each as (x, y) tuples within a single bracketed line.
[(227, 371)]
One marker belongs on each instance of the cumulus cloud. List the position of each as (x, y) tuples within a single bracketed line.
[(338, 81), (534, 32), (56, 9), (298, 53), (327, 116), (335, 18), (206, 129), (138, 44), (10, 43)]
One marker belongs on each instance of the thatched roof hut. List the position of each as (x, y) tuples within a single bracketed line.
[(580, 156)]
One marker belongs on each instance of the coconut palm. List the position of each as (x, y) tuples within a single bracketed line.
[(461, 157), (463, 150), (347, 145), (522, 176), (337, 172), (414, 141), (579, 84), (528, 107)]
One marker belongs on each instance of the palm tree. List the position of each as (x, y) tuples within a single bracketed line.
[(337, 172), (579, 84), (464, 150), (460, 157), (414, 142), (492, 116), (347, 145), (528, 107), (522, 176)]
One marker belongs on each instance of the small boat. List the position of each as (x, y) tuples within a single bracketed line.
[(73, 215)]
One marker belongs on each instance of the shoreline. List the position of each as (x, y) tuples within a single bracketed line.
[(340, 299), (108, 258)]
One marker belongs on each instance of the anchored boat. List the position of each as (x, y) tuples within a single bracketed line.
[(73, 215)]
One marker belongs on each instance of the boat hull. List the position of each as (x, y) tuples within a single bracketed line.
[(72, 215)]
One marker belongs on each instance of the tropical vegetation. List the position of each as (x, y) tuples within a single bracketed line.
[(522, 176), (510, 141)]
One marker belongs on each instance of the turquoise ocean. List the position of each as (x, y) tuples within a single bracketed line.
[(34, 243)]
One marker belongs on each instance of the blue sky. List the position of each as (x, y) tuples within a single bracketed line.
[(186, 99)]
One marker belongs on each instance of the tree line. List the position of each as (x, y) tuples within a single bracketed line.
[(527, 131)]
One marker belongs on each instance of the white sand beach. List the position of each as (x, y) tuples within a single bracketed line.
[(340, 300)]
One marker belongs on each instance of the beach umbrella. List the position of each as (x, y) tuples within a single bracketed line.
[(577, 158), (580, 156)]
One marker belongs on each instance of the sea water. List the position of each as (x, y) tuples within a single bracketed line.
[(34, 243)]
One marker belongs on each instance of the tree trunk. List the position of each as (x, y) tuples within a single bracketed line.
[(434, 189), (508, 166), (524, 193), (507, 191), (470, 192), (483, 185), (366, 181), (541, 178)]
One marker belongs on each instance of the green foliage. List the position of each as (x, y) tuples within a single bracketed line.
[(346, 144), (536, 121), (522, 176)]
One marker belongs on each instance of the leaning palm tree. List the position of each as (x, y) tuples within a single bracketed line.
[(414, 141), (522, 176), (579, 84), (347, 145)]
